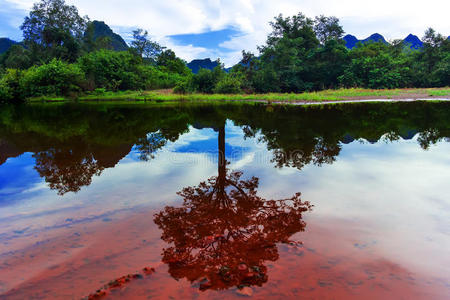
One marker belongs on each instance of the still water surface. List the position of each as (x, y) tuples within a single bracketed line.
[(232, 201)]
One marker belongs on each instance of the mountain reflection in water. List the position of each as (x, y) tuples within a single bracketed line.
[(238, 227)]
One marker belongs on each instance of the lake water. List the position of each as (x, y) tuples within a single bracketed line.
[(231, 201)]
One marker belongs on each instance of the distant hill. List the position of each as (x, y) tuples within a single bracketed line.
[(413, 42), (376, 37), (5, 44), (100, 30), (198, 64), (351, 41)]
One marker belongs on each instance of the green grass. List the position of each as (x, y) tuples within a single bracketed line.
[(328, 95)]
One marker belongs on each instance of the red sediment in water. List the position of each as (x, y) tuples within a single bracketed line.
[(327, 266), (119, 283)]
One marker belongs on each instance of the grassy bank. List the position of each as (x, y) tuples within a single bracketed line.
[(328, 95)]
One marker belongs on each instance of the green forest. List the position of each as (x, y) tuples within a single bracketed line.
[(60, 56)]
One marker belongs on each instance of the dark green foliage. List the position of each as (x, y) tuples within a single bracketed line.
[(54, 29), (123, 71), (228, 84), (431, 65), (145, 47), (205, 80), (167, 61), (11, 85), (287, 60), (5, 92), (373, 66), (302, 55), (17, 57), (330, 62), (212, 81), (110, 69), (55, 78), (327, 28)]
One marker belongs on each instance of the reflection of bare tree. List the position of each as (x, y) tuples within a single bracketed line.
[(66, 170), (224, 232)]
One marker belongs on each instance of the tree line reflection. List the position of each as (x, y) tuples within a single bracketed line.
[(74, 143)]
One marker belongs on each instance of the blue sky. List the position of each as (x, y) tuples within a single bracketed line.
[(223, 28), (208, 40), (11, 17)]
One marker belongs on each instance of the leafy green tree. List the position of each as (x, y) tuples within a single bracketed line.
[(110, 69), (373, 66), (55, 78), (54, 29), (5, 92), (17, 57), (246, 70), (12, 86), (145, 47), (205, 80), (286, 57), (330, 61), (430, 64), (327, 28), (169, 62), (229, 84)]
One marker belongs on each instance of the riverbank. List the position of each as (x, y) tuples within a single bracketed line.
[(333, 96)]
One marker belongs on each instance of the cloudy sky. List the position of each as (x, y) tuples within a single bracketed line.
[(222, 28)]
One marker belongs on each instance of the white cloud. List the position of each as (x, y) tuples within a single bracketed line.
[(393, 19)]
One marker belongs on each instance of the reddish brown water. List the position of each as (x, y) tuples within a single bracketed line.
[(372, 220), (74, 262)]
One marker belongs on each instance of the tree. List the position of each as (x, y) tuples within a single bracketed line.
[(297, 26), (168, 61), (330, 61), (373, 65), (206, 80), (224, 232), (286, 58), (145, 47), (431, 63), (54, 29), (246, 69), (327, 28), (17, 57), (67, 170)]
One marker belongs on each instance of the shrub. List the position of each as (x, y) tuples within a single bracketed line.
[(184, 86), (228, 85), (99, 91), (154, 78), (205, 80), (5, 92), (11, 86), (111, 70), (55, 78)]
